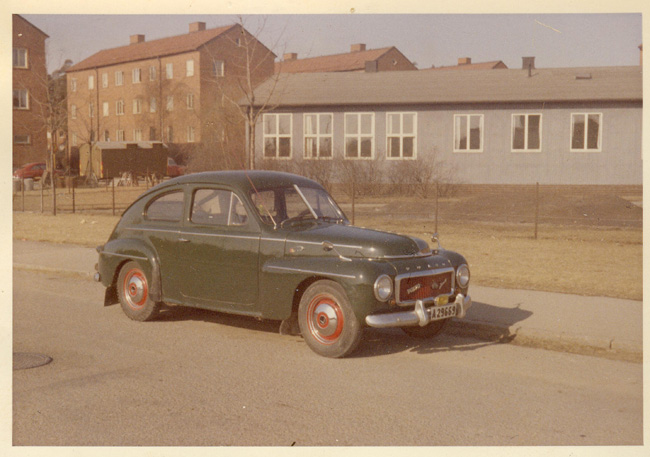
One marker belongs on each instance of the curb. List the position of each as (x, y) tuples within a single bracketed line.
[(42, 269), (597, 347)]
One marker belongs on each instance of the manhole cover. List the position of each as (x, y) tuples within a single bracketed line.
[(24, 360)]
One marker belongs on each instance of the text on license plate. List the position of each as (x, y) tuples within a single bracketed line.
[(442, 312)]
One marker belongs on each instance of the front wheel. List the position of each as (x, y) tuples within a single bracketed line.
[(133, 291), (327, 322), (428, 331)]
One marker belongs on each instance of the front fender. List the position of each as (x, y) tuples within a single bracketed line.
[(116, 252), (280, 279)]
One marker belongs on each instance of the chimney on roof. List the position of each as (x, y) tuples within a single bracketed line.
[(358, 47), (137, 39), (528, 63), (464, 60), (197, 27), (290, 56)]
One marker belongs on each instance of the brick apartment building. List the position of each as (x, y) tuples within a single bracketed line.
[(29, 92), (176, 90), (358, 59)]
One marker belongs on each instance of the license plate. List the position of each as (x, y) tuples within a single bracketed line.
[(442, 312)]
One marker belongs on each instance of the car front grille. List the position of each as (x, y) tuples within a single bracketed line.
[(424, 286)]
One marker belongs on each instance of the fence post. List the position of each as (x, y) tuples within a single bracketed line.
[(354, 193), (73, 201), (22, 190), (113, 185), (437, 194), (536, 208), (42, 197)]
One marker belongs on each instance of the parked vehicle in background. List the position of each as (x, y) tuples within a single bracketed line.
[(173, 169), (32, 170), (276, 246)]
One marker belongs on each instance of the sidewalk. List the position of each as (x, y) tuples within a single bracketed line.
[(606, 327)]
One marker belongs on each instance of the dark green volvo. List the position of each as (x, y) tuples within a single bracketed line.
[(276, 246)]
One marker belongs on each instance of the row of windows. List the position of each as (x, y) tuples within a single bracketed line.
[(209, 207), (137, 106), (401, 134), (136, 135), (218, 70)]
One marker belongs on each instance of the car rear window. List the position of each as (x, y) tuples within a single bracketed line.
[(167, 207)]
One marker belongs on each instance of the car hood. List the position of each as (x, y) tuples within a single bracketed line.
[(351, 241)]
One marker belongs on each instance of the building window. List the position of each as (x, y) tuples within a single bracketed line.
[(190, 134), (119, 78), (119, 107), (400, 137), (91, 82), (586, 132), (218, 68), (20, 58), (105, 109), (359, 135), (137, 106), (74, 140), (190, 101), (104, 80), (152, 73), (136, 76), (73, 85), (152, 134), (152, 105), (526, 132), (91, 110), (107, 136), (170, 134), (22, 139), (169, 71), (170, 103), (189, 68), (119, 135), (73, 111), (468, 133), (277, 136), (137, 135), (318, 135), (21, 99)]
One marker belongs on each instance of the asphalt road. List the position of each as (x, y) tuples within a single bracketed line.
[(200, 378)]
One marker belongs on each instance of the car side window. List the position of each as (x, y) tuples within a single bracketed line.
[(217, 207), (167, 207)]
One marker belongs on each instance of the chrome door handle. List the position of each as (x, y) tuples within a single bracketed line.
[(183, 240)]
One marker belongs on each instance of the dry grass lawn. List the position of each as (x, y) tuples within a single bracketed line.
[(577, 260)]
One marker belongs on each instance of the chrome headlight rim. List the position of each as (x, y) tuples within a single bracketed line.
[(383, 288), (462, 276)]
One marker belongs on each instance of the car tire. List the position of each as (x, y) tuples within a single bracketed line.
[(326, 320), (133, 292), (428, 331)]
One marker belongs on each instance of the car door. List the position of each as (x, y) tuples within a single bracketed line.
[(219, 246)]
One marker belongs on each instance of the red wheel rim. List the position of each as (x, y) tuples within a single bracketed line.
[(325, 319), (136, 290)]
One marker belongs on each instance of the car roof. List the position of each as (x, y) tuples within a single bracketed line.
[(246, 179)]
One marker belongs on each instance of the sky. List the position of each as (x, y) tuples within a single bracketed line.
[(555, 40)]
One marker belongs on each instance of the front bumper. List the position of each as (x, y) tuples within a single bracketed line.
[(421, 315)]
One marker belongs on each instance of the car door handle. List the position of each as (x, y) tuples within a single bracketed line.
[(183, 240)]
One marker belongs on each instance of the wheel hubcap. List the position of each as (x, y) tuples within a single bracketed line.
[(325, 319), (135, 289)]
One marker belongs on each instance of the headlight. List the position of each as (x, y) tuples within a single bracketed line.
[(383, 288), (462, 276)]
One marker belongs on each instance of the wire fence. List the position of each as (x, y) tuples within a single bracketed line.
[(534, 205)]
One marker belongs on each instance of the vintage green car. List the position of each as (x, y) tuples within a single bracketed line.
[(276, 246)]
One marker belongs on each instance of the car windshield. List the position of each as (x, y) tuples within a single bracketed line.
[(283, 205)]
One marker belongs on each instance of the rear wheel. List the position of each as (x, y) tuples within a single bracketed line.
[(428, 331), (327, 322), (133, 291)]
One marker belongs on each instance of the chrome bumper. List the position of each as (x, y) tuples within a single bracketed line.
[(419, 316)]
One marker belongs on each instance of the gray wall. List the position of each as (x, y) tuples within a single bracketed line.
[(618, 162)]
